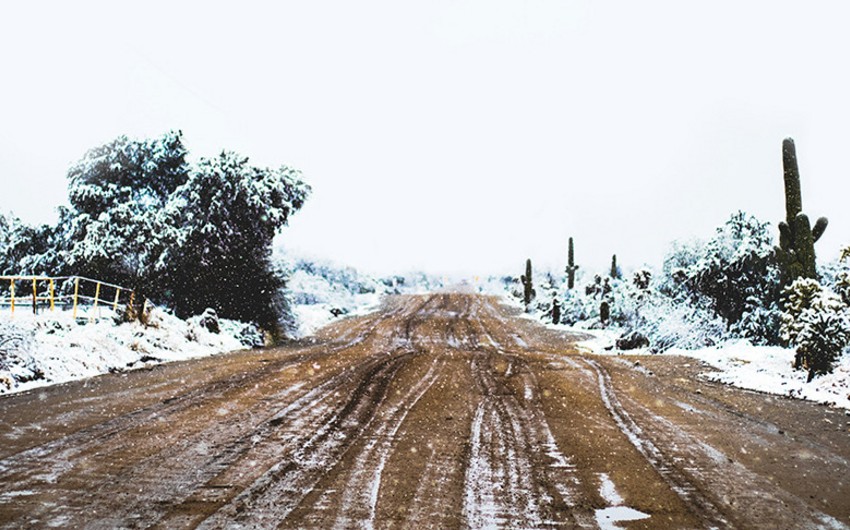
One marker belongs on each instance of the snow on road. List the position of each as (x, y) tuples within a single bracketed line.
[(429, 413)]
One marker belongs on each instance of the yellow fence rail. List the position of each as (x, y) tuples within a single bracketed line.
[(76, 293)]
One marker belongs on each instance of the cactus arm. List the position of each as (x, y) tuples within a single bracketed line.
[(819, 228), (785, 237)]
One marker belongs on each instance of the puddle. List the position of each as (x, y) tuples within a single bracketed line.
[(607, 518)]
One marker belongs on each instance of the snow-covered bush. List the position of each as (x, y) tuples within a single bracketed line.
[(227, 214), (841, 281), (313, 282), (735, 270), (815, 322), (759, 324), (15, 366), (545, 292), (209, 320), (575, 308), (733, 275), (707, 292), (669, 323)]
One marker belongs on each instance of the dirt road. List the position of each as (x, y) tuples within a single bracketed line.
[(440, 411)]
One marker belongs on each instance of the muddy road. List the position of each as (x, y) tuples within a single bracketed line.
[(441, 411)]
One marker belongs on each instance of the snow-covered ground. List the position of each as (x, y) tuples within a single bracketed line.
[(321, 291), (732, 360), (768, 369), (318, 299), (53, 348), (739, 363)]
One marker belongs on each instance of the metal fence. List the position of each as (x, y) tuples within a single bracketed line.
[(76, 293)]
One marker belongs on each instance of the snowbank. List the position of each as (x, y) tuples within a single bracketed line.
[(738, 363), (53, 348), (768, 369)]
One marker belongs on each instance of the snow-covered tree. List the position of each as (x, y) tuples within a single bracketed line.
[(115, 228), (188, 236), (26, 249), (225, 217), (143, 172), (815, 323)]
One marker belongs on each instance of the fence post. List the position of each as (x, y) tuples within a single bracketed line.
[(12, 290), (51, 295), (117, 294), (131, 308), (76, 290), (96, 296), (34, 296)]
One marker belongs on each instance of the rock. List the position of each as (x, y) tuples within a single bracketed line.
[(209, 320), (632, 341)]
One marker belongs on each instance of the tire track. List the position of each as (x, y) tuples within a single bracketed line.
[(272, 496), (706, 465), (70, 446), (441, 411), (360, 498), (516, 475), (173, 471), (676, 478)]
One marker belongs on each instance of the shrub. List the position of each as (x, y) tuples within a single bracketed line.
[(815, 323)]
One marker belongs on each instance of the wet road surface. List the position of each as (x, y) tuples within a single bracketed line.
[(440, 411)]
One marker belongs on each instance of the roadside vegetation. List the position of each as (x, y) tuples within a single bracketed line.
[(186, 235), (742, 283)]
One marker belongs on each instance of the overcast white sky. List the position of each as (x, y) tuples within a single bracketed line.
[(452, 136)]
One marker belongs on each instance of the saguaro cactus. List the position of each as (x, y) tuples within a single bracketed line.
[(797, 238), (571, 267), (604, 312), (556, 311), (615, 270), (527, 285)]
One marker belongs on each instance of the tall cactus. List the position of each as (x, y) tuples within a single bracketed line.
[(527, 285), (796, 252), (615, 270), (556, 311), (604, 312), (571, 267)]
